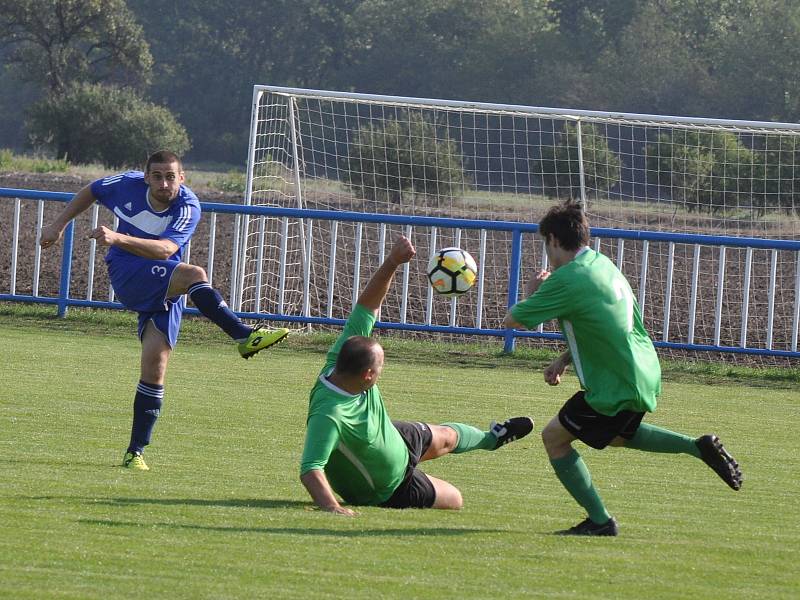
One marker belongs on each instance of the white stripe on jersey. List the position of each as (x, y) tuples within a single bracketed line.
[(183, 219), (569, 333), (348, 454), (146, 221), (111, 179)]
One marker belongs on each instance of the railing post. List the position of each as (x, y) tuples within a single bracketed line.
[(513, 283), (66, 270)]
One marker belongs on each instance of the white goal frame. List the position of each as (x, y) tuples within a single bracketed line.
[(280, 149)]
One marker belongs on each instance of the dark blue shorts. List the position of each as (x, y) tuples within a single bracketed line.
[(141, 285), (167, 321)]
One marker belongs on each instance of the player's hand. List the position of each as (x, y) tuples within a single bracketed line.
[(50, 235), (104, 236), (534, 282), (340, 510), (402, 251), (554, 371)]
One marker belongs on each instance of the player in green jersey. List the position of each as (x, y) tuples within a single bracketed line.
[(353, 448), (614, 359)]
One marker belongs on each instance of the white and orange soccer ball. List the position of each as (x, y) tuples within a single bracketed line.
[(452, 271)]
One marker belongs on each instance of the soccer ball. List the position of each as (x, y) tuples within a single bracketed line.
[(452, 271)]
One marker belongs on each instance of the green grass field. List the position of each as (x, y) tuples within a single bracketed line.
[(222, 513)]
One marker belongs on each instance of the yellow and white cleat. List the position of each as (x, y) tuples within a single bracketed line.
[(135, 462)]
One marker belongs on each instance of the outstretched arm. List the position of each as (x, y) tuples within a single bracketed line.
[(378, 286), (51, 234), (320, 490)]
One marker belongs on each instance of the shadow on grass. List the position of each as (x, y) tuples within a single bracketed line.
[(263, 503), (227, 502), (232, 502), (389, 532)]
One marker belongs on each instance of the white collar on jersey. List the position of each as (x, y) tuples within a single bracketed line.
[(335, 388), (150, 204)]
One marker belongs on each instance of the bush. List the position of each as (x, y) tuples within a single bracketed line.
[(702, 170), (6, 159), (776, 180), (408, 154), (558, 167), (232, 181), (93, 123), (11, 162)]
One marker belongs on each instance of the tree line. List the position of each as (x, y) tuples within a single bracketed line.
[(81, 75)]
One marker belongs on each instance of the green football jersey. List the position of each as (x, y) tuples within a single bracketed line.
[(611, 352), (351, 436)]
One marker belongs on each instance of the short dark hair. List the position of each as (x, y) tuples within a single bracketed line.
[(356, 356), (162, 156), (567, 223)]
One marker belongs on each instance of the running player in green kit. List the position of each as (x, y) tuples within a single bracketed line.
[(353, 448), (614, 359)]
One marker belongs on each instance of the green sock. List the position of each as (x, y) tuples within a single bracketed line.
[(472, 438), (573, 475), (650, 438)]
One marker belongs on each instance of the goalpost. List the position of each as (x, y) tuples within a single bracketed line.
[(408, 156)]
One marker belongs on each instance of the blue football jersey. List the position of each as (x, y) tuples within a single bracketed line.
[(126, 195)]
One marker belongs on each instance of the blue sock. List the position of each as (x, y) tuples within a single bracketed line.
[(209, 302), (146, 408)]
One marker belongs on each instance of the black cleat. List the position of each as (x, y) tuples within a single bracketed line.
[(514, 428), (715, 456), (589, 527)]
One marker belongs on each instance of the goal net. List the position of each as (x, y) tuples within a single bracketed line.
[(353, 152)]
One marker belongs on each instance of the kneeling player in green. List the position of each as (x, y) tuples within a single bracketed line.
[(614, 359), (353, 448)]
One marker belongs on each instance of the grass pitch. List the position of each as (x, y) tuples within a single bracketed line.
[(222, 513)]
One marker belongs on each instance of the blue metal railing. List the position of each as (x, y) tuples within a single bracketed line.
[(63, 300)]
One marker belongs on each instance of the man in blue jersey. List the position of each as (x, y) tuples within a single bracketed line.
[(157, 217), (614, 359)]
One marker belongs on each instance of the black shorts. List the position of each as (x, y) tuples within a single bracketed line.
[(596, 429), (416, 490)]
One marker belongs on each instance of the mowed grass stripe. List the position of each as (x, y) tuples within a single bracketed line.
[(223, 515)]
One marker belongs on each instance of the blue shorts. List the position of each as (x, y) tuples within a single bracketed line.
[(141, 285)]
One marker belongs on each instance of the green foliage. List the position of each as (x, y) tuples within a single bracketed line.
[(558, 166), (109, 125), (716, 58), (209, 55), (776, 180), (407, 154), (704, 171), (232, 181), (755, 62), (56, 42), (11, 162), (448, 48), (652, 69)]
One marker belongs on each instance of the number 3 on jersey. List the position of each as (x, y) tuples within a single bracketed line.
[(624, 294)]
